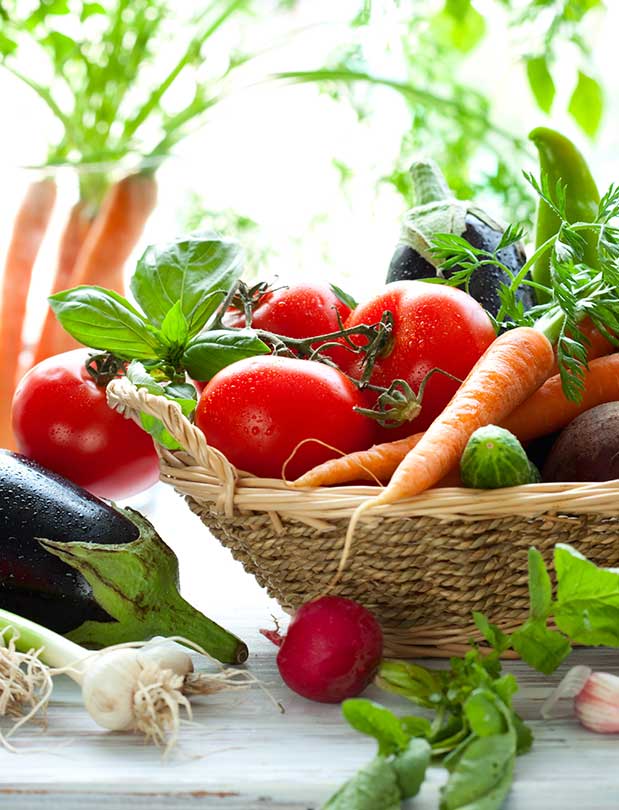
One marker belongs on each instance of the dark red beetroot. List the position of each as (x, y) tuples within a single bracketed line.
[(332, 649)]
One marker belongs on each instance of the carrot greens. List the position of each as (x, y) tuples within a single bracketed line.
[(107, 69), (577, 289)]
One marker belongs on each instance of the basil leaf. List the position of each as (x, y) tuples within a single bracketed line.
[(175, 329), (211, 351), (416, 726), (196, 271), (482, 775), (181, 391), (103, 319), (495, 637), (374, 787), (482, 714), (418, 684), (587, 603), (378, 722), (140, 377), (344, 297), (410, 767), (540, 586), (542, 648)]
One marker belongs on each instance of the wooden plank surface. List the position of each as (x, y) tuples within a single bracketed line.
[(241, 753)]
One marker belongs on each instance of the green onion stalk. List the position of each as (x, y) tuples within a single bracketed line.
[(137, 686)]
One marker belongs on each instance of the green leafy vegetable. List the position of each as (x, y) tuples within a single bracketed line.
[(373, 787), (587, 599), (195, 271), (376, 721), (474, 726), (103, 319), (138, 375), (211, 351), (482, 774), (393, 776), (111, 72)]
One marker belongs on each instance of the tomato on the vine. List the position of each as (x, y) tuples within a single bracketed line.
[(61, 419), (434, 326), (258, 410), (300, 310)]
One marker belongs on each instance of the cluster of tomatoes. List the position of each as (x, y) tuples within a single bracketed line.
[(270, 415)]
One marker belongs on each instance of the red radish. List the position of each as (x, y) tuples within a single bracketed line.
[(332, 649)]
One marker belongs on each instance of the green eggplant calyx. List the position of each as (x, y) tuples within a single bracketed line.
[(421, 224), (136, 583), (436, 211)]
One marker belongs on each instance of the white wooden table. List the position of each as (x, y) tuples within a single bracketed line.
[(241, 753)]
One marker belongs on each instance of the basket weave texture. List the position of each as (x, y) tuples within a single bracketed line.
[(421, 565)]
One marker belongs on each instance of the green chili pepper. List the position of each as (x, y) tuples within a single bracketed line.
[(561, 160)]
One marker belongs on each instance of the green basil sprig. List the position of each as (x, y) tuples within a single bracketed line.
[(179, 287), (585, 609), (192, 274), (398, 770)]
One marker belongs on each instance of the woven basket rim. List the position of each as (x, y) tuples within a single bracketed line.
[(204, 473)]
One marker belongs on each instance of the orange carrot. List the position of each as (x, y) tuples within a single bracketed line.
[(509, 371), (378, 462), (113, 236), (549, 410), (544, 412), (73, 237), (28, 231)]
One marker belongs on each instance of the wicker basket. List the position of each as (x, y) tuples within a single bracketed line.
[(422, 565)]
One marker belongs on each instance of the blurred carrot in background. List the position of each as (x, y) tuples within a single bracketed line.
[(105, 84), (28, 233), (73, 237)]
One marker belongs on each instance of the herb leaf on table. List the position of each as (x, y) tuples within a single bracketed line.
[(398, 770)]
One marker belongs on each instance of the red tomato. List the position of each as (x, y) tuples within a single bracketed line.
[(61, 419), (298, 311), (434, 327), (256, 411)]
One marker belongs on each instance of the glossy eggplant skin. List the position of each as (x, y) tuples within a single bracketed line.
[(36, 503), (408, 264)]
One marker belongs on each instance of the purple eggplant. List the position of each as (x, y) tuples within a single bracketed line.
[(437, 211), (85, 568)]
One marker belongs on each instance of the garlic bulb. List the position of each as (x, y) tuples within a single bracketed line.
[(597, 703), (596, 699)]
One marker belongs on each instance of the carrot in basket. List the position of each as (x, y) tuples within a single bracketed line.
[(544, 412), (509, 371), (377, 462), (73, 237), (28, 231), (113, 236), (549, 410)]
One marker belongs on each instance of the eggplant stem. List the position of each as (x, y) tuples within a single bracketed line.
[(429, 184)]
